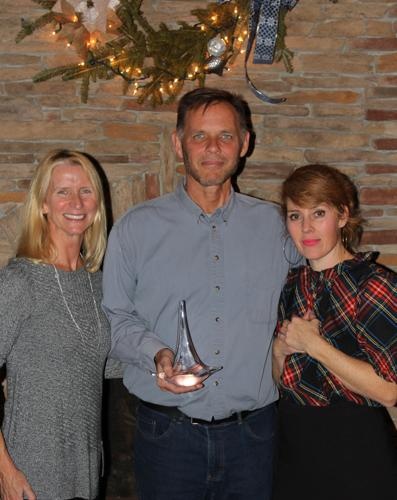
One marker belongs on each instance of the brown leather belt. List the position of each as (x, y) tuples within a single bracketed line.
[(174, 414)]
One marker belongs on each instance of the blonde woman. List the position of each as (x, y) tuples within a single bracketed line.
[(54, 337)]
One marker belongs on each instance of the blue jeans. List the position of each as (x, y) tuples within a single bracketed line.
[(178, 460)]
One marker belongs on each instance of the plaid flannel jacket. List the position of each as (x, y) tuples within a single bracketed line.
[(356, 303)]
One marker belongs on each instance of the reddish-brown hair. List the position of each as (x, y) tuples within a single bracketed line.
[(311, 185)]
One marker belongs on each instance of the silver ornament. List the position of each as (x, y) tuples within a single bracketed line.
[(216, 46), (215, 65)]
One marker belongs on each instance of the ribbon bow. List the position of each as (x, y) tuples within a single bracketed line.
[(264, 17), (263, 25)]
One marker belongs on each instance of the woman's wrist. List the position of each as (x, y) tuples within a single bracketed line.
[(317, 348)]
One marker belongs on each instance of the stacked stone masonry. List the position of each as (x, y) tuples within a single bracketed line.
[(341, 109)]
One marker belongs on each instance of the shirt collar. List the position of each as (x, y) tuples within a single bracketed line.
[(221, 214), (346, 265)]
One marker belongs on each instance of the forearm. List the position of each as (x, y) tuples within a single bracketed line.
[(277, 367), (131, 343), (357, 375), (5, 460), (278, 360), (13, 483)]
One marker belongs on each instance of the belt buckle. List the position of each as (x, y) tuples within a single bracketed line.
[(199, 421), (193, 421), (234, 417)]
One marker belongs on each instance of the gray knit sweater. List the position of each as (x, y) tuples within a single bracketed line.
[(54, 377)]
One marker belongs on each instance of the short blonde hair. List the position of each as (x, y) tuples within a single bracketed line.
[(35, 241)]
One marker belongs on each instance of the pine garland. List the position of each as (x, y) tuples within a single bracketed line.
[(282, 53), (153, 63)]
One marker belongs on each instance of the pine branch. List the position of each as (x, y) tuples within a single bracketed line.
[(46, 4), (28, 27), (84, 87), (156, 61), (47, 74), (282, 53)]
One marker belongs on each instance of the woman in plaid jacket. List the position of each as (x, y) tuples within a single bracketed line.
[(335, 350)]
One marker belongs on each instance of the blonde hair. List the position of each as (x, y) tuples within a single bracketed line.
[(35, 242), (311, 185)]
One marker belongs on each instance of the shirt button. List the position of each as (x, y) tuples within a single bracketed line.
[(213, 226), (217, 288), (217, 319), (216, 383), (217, 352), (216, 257)]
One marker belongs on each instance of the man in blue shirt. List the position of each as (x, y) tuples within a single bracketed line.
[(224, 254)]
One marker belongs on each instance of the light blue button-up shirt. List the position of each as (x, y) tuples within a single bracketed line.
[(229, 267)]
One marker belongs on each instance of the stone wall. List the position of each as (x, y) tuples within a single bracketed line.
[(341, 109)]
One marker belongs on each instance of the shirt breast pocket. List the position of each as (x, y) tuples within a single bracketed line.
[(262, 301)]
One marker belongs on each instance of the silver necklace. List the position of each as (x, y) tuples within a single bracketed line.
[(78, 328)]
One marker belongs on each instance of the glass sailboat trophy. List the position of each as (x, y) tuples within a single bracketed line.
[(188, 367)]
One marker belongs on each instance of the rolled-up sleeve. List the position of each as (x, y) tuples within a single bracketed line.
[(377, 324)]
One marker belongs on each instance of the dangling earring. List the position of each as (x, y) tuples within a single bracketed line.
[(299, 259)]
